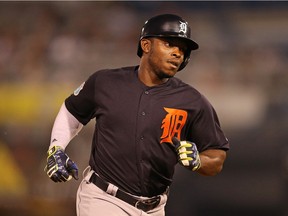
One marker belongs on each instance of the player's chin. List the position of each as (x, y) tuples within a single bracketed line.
[(165, 74), (169, 71), (172, 71)]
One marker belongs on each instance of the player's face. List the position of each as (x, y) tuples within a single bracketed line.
[(166, 55)]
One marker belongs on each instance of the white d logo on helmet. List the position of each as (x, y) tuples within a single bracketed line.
[(183, 27)]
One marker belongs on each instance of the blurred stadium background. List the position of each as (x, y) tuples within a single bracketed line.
[(48, 48)]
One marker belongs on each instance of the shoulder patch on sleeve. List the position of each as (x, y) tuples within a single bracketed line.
[(77, 91)]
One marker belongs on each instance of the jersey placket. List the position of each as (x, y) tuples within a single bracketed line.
[(141, 133)]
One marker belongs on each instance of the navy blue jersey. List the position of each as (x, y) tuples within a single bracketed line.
[(131, 146)]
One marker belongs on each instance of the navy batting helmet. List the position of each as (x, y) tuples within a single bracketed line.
[(168, 25)]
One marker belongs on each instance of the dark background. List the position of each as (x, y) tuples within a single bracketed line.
[(47, 49)]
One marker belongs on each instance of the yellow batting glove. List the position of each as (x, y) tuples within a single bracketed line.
[(188, 155)]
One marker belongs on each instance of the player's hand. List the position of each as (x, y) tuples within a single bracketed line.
[(188, 155), (60, 168)]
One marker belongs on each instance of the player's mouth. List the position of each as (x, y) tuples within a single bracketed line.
[(174, 64)]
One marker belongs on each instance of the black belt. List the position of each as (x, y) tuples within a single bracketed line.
[(143, 204)]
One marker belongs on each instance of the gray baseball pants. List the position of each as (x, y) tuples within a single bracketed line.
[(92, 201)]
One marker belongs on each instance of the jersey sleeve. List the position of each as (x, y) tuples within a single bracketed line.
[(81, 104), (206, 131)]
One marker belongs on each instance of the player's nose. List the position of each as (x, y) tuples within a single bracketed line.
[(177, 52)]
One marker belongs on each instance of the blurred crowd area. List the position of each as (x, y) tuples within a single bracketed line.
[(47, 49)]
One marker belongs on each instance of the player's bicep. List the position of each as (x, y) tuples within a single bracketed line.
[(212, 161)]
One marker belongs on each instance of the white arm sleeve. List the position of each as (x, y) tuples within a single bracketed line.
[(65, 128)]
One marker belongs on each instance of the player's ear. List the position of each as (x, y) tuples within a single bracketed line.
[(145, 45)]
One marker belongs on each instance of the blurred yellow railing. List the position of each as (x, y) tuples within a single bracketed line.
[(27, 103)]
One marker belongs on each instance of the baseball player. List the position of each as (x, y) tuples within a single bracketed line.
[(147, 121)]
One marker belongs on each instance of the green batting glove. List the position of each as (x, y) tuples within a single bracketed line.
[(188, 155), (60, 168)]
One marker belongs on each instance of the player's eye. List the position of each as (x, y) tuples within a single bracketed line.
[(167, 44)]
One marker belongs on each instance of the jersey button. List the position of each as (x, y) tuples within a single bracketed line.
[(143, 113), (146, 92)]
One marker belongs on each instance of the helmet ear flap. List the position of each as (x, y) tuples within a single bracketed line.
[(185, 62), (139, 50)]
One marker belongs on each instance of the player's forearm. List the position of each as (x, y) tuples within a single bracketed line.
[(65, 128), (212, 161)]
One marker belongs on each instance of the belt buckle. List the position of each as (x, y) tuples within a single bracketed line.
[(148, 204)]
